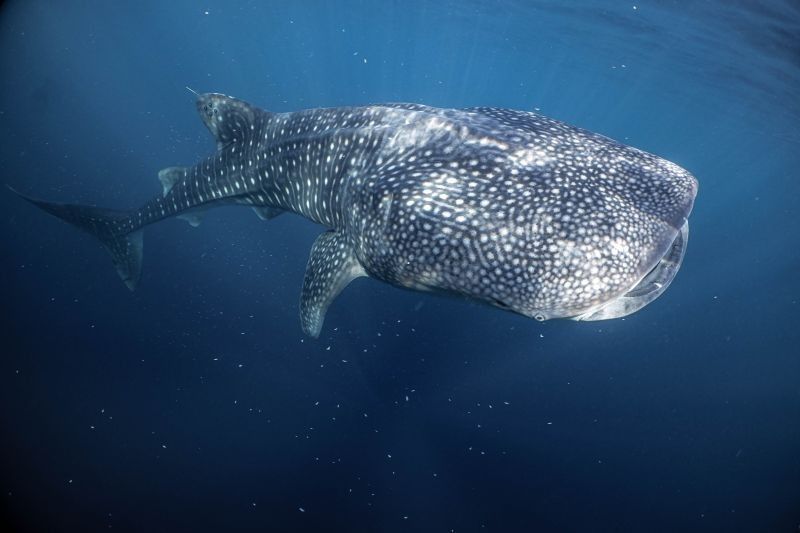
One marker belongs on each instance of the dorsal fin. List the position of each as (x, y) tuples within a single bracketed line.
[(229, 120), (170, 176)]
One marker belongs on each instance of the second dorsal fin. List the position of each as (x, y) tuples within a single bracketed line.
[(170, 176)]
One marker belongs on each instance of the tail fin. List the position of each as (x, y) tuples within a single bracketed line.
[(107, 225)]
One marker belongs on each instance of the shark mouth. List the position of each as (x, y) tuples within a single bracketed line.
[(648, 288)]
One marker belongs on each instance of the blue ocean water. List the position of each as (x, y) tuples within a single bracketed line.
[(196, 404)]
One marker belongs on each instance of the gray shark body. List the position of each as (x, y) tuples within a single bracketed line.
[(506, 207)]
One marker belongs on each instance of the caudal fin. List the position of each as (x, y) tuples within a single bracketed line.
[(110, 227)]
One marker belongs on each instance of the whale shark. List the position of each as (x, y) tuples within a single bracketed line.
[(509, 208)]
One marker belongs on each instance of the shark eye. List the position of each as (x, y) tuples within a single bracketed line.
[(539, 317)]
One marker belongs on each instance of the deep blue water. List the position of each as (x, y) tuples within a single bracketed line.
[(196, 404)]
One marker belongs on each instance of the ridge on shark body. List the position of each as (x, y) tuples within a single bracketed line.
[(509, 208)]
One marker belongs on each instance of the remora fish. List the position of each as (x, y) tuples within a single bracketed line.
[(506, 207)]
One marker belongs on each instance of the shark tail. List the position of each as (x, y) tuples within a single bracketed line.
[(110, 227)]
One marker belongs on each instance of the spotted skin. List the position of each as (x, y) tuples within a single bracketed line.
[(331, 266), (511, 208)]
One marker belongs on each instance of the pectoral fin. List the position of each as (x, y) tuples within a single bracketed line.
[(331, 266)]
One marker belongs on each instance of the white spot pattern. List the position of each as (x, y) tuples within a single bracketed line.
[(508, 207)]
